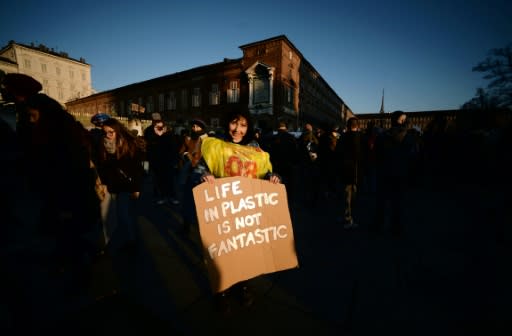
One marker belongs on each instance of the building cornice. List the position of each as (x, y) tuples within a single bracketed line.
[(44, 50)]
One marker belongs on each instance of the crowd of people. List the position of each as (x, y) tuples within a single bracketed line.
[(58, 164)]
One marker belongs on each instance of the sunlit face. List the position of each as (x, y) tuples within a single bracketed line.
[(238, 129), (159, 128), (33, 115), (401, 119), (196, 128), (109, 132)]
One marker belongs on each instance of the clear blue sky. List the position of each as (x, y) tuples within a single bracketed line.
[(420, 52)]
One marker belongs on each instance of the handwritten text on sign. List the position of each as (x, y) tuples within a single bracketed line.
[(245, 229), (217, 215)]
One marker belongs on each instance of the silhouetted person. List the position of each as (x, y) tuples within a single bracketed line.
[(394, 148), (308, 164), (368, 153), (284, 155), (58, 169), (348, 148), (162, 154), (328, 161)]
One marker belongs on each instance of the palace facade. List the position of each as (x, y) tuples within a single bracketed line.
[(63, 78), (272, 80)]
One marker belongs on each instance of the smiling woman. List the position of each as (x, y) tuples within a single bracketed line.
[(238, 154)]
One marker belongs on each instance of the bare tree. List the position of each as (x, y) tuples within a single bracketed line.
[(498, 70)]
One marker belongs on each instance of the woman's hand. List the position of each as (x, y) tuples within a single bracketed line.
[(208, 178), (274, 179)]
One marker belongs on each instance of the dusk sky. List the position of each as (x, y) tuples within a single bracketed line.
[(420, 52)]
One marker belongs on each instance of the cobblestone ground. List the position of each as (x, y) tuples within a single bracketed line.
[(447, 274)]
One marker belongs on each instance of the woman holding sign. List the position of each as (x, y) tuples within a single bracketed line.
[(237, 154)]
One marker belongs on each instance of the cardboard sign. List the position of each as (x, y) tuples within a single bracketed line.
[(245, 229)]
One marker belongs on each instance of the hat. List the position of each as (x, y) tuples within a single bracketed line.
[(199, 123), (156, 116), (99, 118), (18, 84)]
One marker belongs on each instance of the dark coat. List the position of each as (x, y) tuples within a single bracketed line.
[(395, 150), (283, 153), (122, 175), (308, 144), (162, 151), (328, 161), (58, 170), (349, 151)]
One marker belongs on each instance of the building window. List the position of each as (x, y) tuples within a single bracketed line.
[(61, 94), (28, 64), (137, 107), (214, 95), (215, 122), (43, 68), (83, 75), (261, 51), (184, 98), (196, 97), (149, 104), (289, 96), (171, 101), (46, 88), (290, 54), (261, 90), (233, 92), (161, 102), (57, 70), (71, 74)]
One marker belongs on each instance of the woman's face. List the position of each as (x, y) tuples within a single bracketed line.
[(238, 129), (109, 132)]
